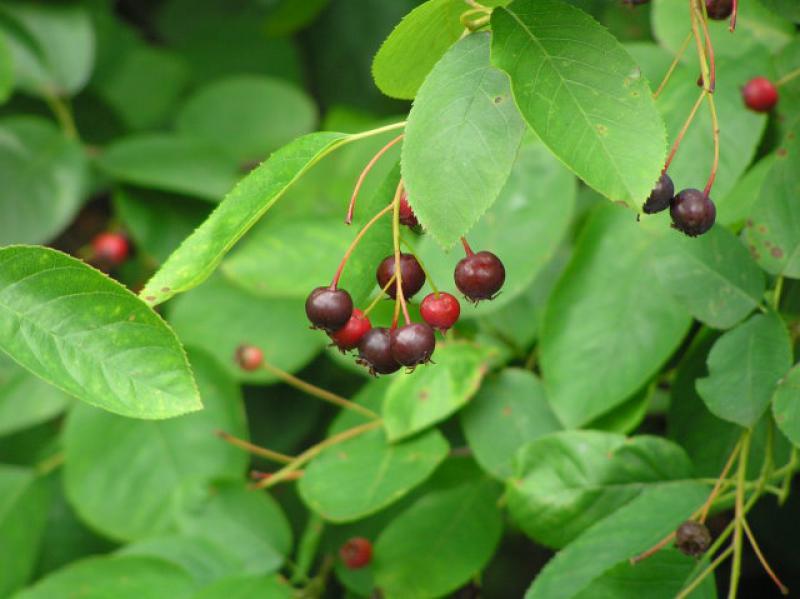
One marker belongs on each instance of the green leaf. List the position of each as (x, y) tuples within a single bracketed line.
[(565, 482), (247, 587), (744, 367), (612, 541), (736, 206), (591, 362), (89, 336), (432, 392), (461, 140), (583, 94), (786, 405), (155, 457), (286, 16), (44, 180), (200, 253), (365, 474), (247, 117), (278, 326), (713, 276), (6, 70), (123, 577), (26, 400), (443, 539), (24, 501), (171, 163), (510, 410)]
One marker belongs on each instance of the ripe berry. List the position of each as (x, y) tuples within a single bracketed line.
[(413, 344), (692, 538), (349, 335), (660, 196), (692, 212), (111, 248), (760, 94), (635, 2), (410, 270), (329, 309), (440, 312), (249, 357), (719, 9), (375, 351), (407, 216), (480, 276), (356, 553)]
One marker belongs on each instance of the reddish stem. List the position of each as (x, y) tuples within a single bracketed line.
[(467, 249), (351, 208), (353, 245), (734, 12), (685, 128)]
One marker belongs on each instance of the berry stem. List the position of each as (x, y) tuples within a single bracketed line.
[(307, 547), (702, 576), (379, 297), (262, 452), (310, 453), (399, 295), (676, 144), (720, 482), (788, 77), (354, 243), (422, 266), (751, 537), (318, 392), (351, 208), (734, 13), (467, 249), (715, 132), (63, 113), (736, 563), (705, 55), (673, 66), (787, 480)]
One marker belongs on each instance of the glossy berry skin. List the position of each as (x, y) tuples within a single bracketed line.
[(719, 9), (349, 335), (479, 276), (413, 344), (111, 248), (760, 94), (692, 212), (440, 312), (407, 216), (692, 538), (410, 270), (356, 553), (249, 357), (660, 196), (329, 309), (375, 351)]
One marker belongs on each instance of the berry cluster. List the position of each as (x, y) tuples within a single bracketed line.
[(691, 210)]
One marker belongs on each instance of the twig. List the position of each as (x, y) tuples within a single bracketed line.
[(713, 566), (751, 537), (673, 66), (720, 482), (736, 563), (351, 208), (354, 243), (263, 452)]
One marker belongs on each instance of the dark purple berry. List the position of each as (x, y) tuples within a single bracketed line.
[(692, 212), (719, 9), (692, 538), (413, 344), (375, 351), (480, 276), (329, 309), (410, 270), (660, 196)]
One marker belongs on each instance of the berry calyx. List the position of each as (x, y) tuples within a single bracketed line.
[(692, 212), (329, 309), (349, 335), (479, 276), (760, 94), (413, 344), (375, 351), (410, 270), (719, 9), (111, 248), (407, 216), (440, 312), (356, 553), (249, 357), (692, 538), (661, 195)]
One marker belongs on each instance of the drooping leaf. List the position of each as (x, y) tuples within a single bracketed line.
[(744, 368), (583, 94), (461, 140), (88, 335), (786, 405)]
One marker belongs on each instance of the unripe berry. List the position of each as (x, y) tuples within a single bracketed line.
[(249, 357), (356, 553), (111, 248), (349, 335), (760, 94), (440, 312), (407, 216)]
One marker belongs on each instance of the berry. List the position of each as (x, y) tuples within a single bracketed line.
[(692, 538), (760, 94), (111, 248), (635, 2), (329, 309), (249, 357), (410, 270), (413, 344), (480, 276), (660, 196), (692, 212), (719, 9), (375, 351), (407, 216), (349, 335), (440, 312), (356, 553)]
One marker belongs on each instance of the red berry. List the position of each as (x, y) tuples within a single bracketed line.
[(407, 216), (375, 351), (480, 276), (719, 9), (660, 196), (111, 248), (329, 309), (692, 212), (349, 335), (410, 270), (413, 344), (249, 357), (760, 94), (440, 312), (356, 553)]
